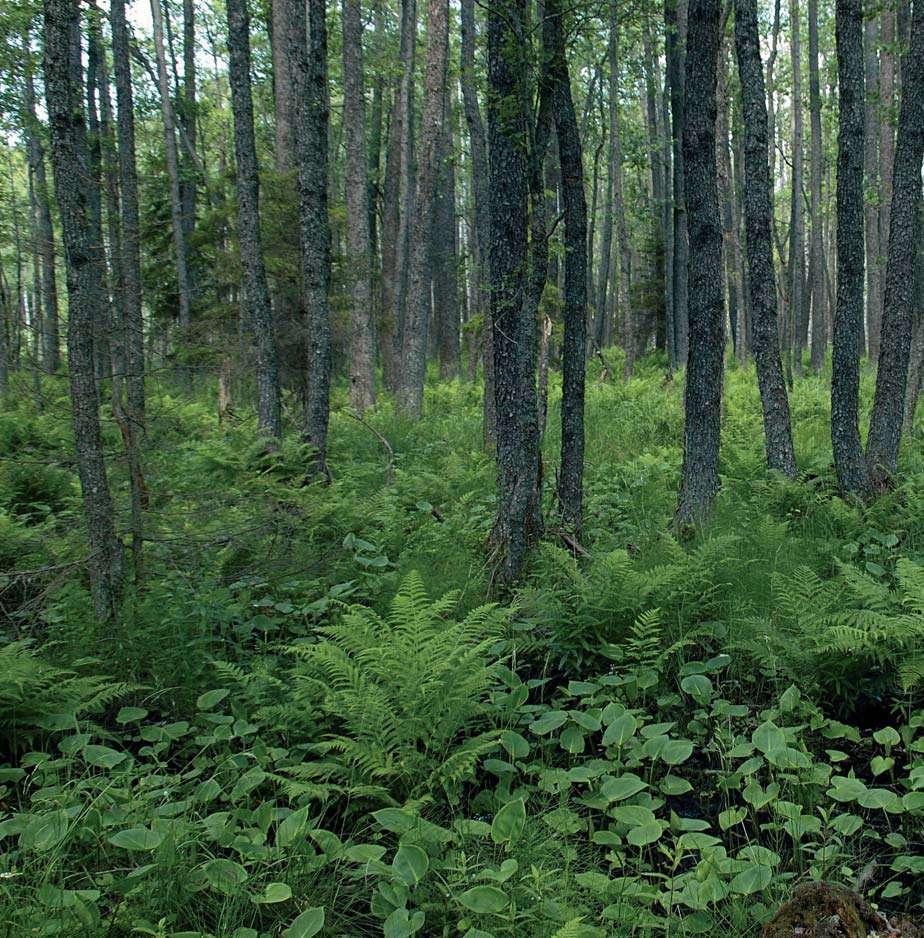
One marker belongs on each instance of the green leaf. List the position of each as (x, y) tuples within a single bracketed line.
[(617, 789), (484, 900), (403, 924), (768, 736), (881, 798), (887, 736), (644, 834), (572, 740), (731, 817), (477, 933), (753, 879), (517, 747), (549, 721), (410, 864), (137, 838), (292, 827), (103, 757), (45, 832), (130, 715), (209, 699), (620, 730), (699, 687), (785, 757), (306, 925), (676, 751), (845, 789), (395, 820), (274, 892), (509, 823), (225, 875), (878, 764)]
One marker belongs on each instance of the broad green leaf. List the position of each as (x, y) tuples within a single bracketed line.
[(130, 715), (211, 698), (45, 831), (699, 687), (306, 925), (509, 823), (274, 892), (293, 827), (620, 730), (403, 924), (410, 864), (572, 740), (768, 736), (644, 834), (137, 838), (549, 721), (484, 900), (676, 751), (103, 757), (225, 875), (395, 820), (617, 789), (753, 879), (517, 747), (881, 798)]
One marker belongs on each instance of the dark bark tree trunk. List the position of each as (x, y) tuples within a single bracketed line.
[(819, 321), (675, 15), (283, 87), (445, 256), (571, 477), (398, 198), (51, 358), (85, 295), (311, 155), (362, 331), (796, 265), (256, 297), (699, 480), (409, 397), (873, 250), (916, 364), (898, 309), (758, 209), (173, 171), (481, 199), (187, 117), (887, 91), (852, 473), (518, 524)]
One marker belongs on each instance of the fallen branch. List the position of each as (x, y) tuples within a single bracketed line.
[(384, 442)]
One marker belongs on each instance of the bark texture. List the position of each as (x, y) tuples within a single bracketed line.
[(898, 309), (259, 312), (86, 298), (699, 480), (852, 472), (816, 263), (758, 209)]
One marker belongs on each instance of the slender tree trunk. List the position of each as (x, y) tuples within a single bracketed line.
[(398, 200), (758, 209), (518, 523), (445, 256), (852, 473), (187, 117), (283, 88), (675, 15), (571, 477), (916, 365), (873, 248), (36, 310), (51, 359), (362, 331), (796, 265), (311, 121), (887, 92), (898, 309), (256, 293), (173, 171), (409, 396), (481, 198), (612, 171), (726, 199), (699, 481), (85, 292), (819, 323)]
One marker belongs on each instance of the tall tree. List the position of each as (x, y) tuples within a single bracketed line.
[(699, 481), (312, 119), (849, 461), (758, 211), (796, 264), (362, 333), (816, 262), (445, 255), (173, 169), (898, 309), (256, 293), (188, 124), (887, 91), (519, 522), (417, 311), (86, 299), (871, 157)]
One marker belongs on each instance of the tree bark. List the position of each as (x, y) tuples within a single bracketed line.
[(898, 309), (871, 151), (518, 524), (445, 256), (699, 480), (758, 210), (85, 295), (849, 461), (409, 397), (887, 92), (256, 293), (362, 330), (819, 322), (187, 116), (796, 265)]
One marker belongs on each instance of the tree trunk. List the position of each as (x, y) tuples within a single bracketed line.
[(445, 256), (518, 523), (187, 117), (916, 365), (699, 480), (819, 323), (796, 265), (852, 472), (675, 15), (481, 198), (85, 295), (283, 87), (898, 309), (887, 91), (758, 209), (409, 398), (362, 331), (311, 121), (873, 241), (398, 197), (173, 172), (256, 293)]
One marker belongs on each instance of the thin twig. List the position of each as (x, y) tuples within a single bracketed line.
[(384, 442)]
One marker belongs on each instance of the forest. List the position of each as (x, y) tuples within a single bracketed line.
[(459, 468)]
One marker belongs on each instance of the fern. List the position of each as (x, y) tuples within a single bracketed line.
[(407, 694)]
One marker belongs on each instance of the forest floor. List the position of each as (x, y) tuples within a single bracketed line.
[(312, 722)]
